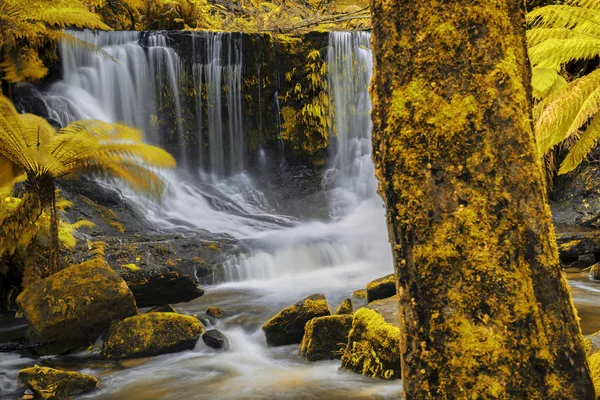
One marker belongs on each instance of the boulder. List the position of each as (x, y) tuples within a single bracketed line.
[(359, 294), (215, 339), (345, 308), (215, 312), (50, 383), (287, 327), (594, 363), (163, 308), (151, 334), (325, 337), (592, 343), (157, 287), (387, 308), (71, 308), (373, 347), (381, 288)]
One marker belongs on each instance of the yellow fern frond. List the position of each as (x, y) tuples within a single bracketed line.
[(582, 148)]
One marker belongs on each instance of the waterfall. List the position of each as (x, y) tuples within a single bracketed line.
[(222, 66), (354, 244), (350, 67)]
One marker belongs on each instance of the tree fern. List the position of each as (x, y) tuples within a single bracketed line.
[(565, 110), (29, 143)]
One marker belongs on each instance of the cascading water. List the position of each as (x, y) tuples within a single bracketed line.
[(288, 259)]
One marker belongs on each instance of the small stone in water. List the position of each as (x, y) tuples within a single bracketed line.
[(215, 339)]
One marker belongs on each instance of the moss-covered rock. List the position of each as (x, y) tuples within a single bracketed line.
[(387, 308), (49, 383), (215, 312), (151, 334), (325, 337), (373, 347), (359, 294), (592, 343), (345, 308), (595, 272), (594, 362), (163, 308), (287, 327), (381, 288), (71, 308)]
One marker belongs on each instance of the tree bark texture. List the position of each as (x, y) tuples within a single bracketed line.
[(484, 307)]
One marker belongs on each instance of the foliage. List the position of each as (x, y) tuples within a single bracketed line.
[(29, 30), (566, 111), (32, 146)]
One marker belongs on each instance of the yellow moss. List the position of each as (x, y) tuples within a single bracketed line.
[(360, 294), (373, 347), (49, 383), (131, 267), (108, 216), (594, 362), (151, 334)]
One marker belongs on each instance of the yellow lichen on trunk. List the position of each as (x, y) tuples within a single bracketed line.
[(484, 309)]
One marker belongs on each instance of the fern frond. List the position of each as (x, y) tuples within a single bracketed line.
[(553, 53), (542, 81), (553, 123), (582, 148)]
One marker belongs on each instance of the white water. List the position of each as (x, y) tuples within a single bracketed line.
[(289, 259)]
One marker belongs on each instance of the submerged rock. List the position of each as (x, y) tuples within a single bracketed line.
[(373, 347), (215, 312), (215, 339), (49, 383), (381, 288), (151, 334), (345, 308), (325, 337), (71, 308), (287, 327), (156, 287), (163, 308)]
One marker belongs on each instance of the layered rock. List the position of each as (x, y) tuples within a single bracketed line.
[(151, 334), (325, 337), (49, 383), (71, 308), (287, 327)]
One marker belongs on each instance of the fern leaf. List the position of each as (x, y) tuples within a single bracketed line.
[(582, 148)]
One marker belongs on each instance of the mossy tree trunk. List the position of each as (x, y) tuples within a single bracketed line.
[(485, 310)]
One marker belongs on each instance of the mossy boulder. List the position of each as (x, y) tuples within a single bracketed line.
[(71, 308), (592, 343), (215, 312), (325, 338), (50, 383), (345, 308), (594, 362), (381, 288), (595, 272), (373, 347), (387, 308), (287, 327), (151, 334), (359, 294)]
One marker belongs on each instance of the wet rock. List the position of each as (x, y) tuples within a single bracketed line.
[(215, 339), (159, 287), (373, 347), (215, 312), (49, 383), (594, 273), (71, 308), (387, 308), (381, 288), (163, 308), (575, 242), (578, 266), (325, 337), (345, 307), (359, 294), (287, 327), (151, 334)]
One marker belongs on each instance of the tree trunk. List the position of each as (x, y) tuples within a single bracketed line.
[(485, 309)]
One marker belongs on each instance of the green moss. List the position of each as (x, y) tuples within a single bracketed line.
[(49, 384), (151, 334), (373, 347)]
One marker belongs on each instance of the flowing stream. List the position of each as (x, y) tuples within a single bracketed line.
[(290, 258)]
